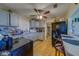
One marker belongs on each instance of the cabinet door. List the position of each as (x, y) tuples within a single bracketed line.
[(14, 19), (4, 16)]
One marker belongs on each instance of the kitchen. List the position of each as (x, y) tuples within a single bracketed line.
[(28, 29), (21, 31)]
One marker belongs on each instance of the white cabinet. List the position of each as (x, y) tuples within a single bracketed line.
[(5, 19), (4, 16), (39, 23), (14, 19)]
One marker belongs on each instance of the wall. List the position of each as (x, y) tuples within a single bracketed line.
[(71, 10), (70, 15), (23, 23)]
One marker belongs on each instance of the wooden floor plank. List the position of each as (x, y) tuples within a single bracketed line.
[(44, 48)]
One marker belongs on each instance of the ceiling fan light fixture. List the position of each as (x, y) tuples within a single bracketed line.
[(39, 17)]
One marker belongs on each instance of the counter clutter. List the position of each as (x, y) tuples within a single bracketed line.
[(22, 47), (15, 43)]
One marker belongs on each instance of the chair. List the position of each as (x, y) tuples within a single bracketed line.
[(59, 47)]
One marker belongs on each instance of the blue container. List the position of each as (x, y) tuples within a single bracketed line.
[(2, 45), (9, 43)]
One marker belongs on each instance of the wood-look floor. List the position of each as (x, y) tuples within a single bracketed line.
[(44, 48)]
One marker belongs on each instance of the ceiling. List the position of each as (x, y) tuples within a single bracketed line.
[(26, 9)]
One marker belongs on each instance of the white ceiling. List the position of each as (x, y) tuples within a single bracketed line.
[(26, 9)]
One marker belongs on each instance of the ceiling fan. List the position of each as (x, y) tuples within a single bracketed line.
[(41, 13)]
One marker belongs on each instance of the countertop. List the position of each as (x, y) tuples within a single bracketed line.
[(31, 35), (27, 37), (71, 44), (20, 43), (34, 35)]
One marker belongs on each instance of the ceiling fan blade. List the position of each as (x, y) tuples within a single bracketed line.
[(46, 12), (35, 10), (44, 16), (40, 10), (75, 3)]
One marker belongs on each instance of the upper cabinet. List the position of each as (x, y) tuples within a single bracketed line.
[(4, 16), (8, 19), (36, 23), (14, 19)]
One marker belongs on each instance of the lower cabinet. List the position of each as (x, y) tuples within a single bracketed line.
[(26, 50)]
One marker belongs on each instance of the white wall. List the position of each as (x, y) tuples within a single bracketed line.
[(23, 23), (71, 11)]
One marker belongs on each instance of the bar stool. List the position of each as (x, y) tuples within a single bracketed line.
[(59, 48)]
